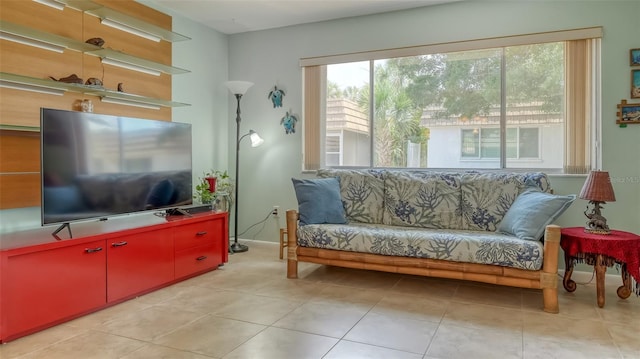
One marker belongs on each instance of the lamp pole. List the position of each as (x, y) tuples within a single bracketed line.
[(237, 88), (237, 247)]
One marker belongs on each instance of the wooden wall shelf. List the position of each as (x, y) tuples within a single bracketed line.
[(127, 23), (51, 87), (36, 38)]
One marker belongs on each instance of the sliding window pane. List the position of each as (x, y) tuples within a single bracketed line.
[(535, 90), (347, 114), (460, 96)]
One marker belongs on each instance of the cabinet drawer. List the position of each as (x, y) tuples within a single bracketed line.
[(193, 260), (197, 234)]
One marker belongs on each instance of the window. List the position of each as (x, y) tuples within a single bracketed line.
[(484, 143), (515, 102)]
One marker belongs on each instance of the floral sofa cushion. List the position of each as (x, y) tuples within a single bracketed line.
[(422, 199), (486, 196), (362, 193), (480, 247)]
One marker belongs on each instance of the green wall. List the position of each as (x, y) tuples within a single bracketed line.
[(271, 58)]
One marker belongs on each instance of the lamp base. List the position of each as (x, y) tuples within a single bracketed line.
[(237, 248), (597, 230)]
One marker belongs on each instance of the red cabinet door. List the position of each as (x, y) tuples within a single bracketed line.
[(45, 287), (139, 262)]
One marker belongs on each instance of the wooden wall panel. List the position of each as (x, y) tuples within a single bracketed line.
[(19, 169), (19, 152), (21, 108), (20, 158), (19, 190), (67, 23), (39, 63)]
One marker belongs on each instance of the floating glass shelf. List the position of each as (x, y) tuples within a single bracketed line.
[(136, 61), (28, 36), (27, 83), (19, 128), (41, 39), (124, 22)]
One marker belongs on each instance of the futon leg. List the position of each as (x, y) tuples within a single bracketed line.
[(292, 244), (550, 300)]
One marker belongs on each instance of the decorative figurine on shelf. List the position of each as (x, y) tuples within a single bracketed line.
[(120, 88), (276, 96), (93, 82), (289, 123), (95, 41), (71, 79)]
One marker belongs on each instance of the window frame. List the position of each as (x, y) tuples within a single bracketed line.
[(592, 140)]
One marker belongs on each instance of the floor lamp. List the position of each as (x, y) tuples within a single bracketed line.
[(239, 88)]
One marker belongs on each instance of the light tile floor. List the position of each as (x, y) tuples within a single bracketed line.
[(249, 309)]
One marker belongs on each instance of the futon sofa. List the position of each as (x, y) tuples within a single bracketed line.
[(491, 227)]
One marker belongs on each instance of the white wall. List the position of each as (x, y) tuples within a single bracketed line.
[(271, 57)]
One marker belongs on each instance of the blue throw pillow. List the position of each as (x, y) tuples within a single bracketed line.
[(531, 212), (319, 200)]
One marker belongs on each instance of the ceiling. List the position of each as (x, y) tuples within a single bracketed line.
[(237, 16)]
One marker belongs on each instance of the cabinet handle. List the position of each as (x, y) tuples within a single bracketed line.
[(201, 258), (202, 233), (92, 250), (119, 244)]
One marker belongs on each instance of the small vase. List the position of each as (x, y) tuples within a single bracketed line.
[(86, 105), (212, 183)]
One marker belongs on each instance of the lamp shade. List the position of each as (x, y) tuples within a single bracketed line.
[(598, 187), (238, 87), (256, 140)]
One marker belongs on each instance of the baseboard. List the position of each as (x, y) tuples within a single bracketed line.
[(582, 277)]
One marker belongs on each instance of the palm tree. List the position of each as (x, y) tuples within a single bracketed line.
[(396, 117)]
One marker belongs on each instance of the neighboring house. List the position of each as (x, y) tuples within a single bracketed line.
[(348, 139), (534, 138)]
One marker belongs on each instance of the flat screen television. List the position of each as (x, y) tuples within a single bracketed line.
[(96, 166)]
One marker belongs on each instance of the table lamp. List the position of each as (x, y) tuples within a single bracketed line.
[(597, 190)]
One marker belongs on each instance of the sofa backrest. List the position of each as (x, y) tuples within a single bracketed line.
[(362, 193), (468, 200), (422, 199), (486, 196)]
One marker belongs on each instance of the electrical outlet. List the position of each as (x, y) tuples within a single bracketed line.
[(275, 210)]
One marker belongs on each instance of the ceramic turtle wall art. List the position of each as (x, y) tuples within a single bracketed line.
[(289, 123), (276, 96)]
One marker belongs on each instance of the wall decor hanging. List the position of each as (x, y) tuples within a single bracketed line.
[(289, 123), (276, 96), (628, 113), (634, 57), (635, 83)]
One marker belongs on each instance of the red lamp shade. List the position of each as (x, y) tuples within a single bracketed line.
[(598, 187)]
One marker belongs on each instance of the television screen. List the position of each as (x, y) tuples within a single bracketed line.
[(94, 166)]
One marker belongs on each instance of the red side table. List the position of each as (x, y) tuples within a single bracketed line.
[(602, 251)]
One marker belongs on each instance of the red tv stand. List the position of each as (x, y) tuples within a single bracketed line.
[(45, 281)]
